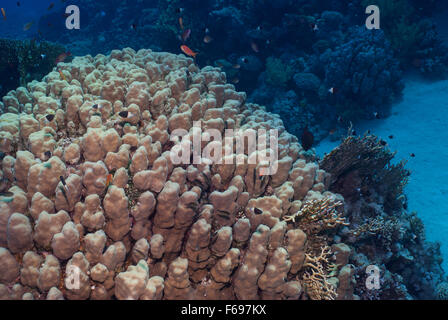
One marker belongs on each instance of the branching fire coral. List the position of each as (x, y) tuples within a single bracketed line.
[(387, 230), (318, 215), (316, 276)]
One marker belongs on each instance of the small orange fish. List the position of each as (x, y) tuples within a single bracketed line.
[(181, 23), (4, 14), (109, 180), (28, 26), (185, 35), (62, 57), (62, 75), (188, 51)]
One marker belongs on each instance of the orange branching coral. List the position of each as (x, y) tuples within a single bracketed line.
[(316, 277), (318, 215)]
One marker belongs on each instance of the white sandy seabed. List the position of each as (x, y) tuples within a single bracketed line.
[(419, 125)]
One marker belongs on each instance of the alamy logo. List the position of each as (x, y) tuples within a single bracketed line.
[(72, 276), (73, 17), (230, 149), (373, 277), (373, 20)]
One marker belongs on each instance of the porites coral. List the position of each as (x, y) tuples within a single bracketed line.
[(203, 230)]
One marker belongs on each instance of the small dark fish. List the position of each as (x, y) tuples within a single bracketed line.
[(354, 133), (307, 139), (64, 193), (49, 117), (391, 136), (224, 216), (179, 10), (18, 3), (412, 155), (382, 142), (134, 26), (47, 154), (50, 6), (95, 106), (376, 115), (6, 194), (245, 60), (124, 114), (257, 211)]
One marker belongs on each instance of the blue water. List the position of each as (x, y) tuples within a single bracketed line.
[(18, 16)]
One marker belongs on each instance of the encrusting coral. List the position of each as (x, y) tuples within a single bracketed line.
[(94, 204)]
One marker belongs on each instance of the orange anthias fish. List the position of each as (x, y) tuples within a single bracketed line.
[(186, 34), (28, 26), (62, 57), (4, 14), (62, 75), (188, 51), (181, 23), (109, 180)]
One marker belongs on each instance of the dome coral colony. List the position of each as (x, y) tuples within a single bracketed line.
[(157, 229)]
